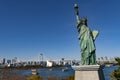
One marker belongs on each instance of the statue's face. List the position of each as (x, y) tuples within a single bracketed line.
[(84, 20)]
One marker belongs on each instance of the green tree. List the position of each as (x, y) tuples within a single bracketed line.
[(115, 75), (35, 77)]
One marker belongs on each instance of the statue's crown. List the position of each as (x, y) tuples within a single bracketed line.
[(84, 19)]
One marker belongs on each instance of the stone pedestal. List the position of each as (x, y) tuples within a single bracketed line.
[(88, 72)]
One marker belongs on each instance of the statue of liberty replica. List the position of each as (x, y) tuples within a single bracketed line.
[(88, 70), (87, 39)]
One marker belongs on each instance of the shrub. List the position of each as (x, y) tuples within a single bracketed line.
[(52, 77), (35, 77), (69, 78), (7, 75), (115, 75)]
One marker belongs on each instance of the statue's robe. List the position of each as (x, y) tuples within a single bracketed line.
[(87, 45)]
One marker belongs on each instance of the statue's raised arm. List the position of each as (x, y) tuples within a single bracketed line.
[(77, 14)]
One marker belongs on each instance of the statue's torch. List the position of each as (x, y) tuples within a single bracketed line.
[(76, 9)]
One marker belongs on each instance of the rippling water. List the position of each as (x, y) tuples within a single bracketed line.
[(59, 73), (108, 70), (45, 72)]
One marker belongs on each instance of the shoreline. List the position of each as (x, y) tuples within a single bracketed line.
[(30, 67)]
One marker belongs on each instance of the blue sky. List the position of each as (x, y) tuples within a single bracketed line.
[(31, 27)]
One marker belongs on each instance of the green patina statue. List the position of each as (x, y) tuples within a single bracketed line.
[(87, 38)]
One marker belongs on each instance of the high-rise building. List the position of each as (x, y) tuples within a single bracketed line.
[(14, 60), (3, 62), (8, 61)]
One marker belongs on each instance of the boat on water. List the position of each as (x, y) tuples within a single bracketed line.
[(50, 69), (108, 65), (34, 71), (65, 69)]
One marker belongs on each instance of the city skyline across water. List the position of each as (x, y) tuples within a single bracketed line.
[(40, 59), (29, 28)]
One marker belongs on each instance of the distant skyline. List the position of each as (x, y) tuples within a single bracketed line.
[(31, 27)]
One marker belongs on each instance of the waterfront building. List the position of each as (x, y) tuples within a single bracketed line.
[(49, 63), (3, 62), (13, 61), (8, 61)]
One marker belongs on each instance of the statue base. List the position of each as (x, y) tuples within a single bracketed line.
[(88, 72)]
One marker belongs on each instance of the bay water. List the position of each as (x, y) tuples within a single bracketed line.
[(60, 73)]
